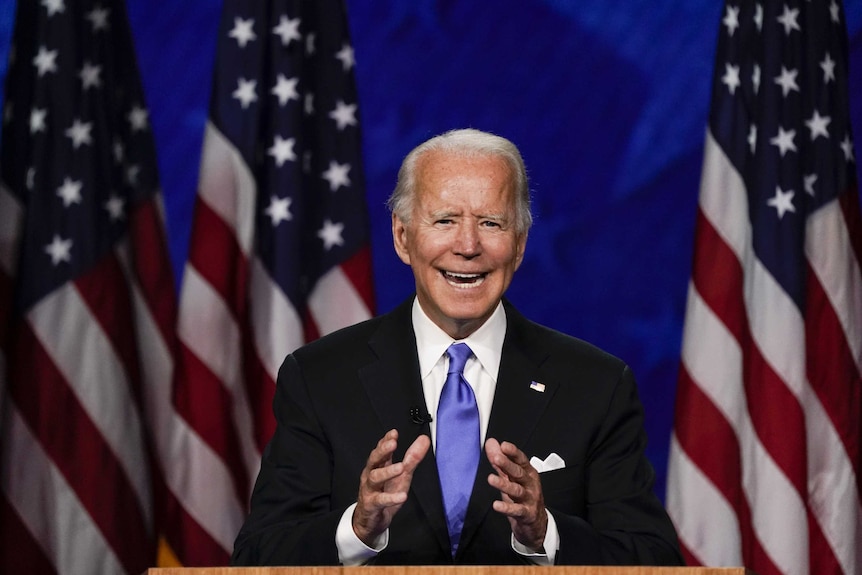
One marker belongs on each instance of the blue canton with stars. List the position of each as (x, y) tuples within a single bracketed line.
[(285, 96), (780, 102), (77, 151)]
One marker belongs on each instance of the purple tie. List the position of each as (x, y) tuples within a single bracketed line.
[(457, 441)]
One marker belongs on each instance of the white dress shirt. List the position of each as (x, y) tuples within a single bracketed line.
[(481, 373)]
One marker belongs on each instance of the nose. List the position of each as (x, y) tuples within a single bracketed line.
[(467, 240)]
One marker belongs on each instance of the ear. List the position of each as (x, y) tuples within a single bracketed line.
[(520, 248), (401, 239)]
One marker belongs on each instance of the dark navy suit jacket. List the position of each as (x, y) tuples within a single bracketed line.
[(336, 398)]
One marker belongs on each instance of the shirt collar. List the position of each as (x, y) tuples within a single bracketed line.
[(486, 342)]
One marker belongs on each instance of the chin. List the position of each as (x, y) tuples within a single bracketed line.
[(464, 316)]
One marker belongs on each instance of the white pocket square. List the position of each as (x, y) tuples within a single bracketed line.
[(551, 462)]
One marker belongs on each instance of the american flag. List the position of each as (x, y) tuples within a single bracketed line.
[(765, 455), (279, 251), (86, 298)]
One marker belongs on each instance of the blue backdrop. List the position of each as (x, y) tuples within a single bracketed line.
[(607, 100)]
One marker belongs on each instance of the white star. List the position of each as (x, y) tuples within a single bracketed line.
[(758, 16), (731, 77), (89, 75), (282, 150), (45, 61), (79, 132), (37, 120), (98, 18), (59, 250), (731, 20), (336, 175), (53, 6), (330, 233), (752, 137), (784, 140), (817, 124), (788, 19), (115, 207), (285, 89), (344, 115), (70, 191), (119, 151), (828, 65), (787, 81), (847, 148), (834, 12), (245, 92), (287, 30), (279, 210), (242, 31), (755, 78), (309, 43), (810, 180), (308, 105), (138, 119), (782, 201), (132, 174), (346, 57)]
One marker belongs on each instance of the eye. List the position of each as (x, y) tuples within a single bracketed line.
[(490, 224), (443, 221)]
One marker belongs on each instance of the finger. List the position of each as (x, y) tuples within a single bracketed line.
[(399, 475), (509, 509), (498, 460), (382, 499), (382, 453), (378, 477), (491, 445), (508, 488), (514, 454), (519, 470), (495, 454), (504, 465), (416, 453)]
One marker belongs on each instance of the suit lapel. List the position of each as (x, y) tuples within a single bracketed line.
[(516, 410), (394, 387), (518, 407)]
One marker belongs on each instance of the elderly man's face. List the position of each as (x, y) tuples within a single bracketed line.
[(461, 241)]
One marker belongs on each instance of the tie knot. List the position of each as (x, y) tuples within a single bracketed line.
[(458, 354)]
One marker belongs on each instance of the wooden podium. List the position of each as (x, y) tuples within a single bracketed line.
[(450, 570)]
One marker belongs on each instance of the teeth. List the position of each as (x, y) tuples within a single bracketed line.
[(463, 276), (464, 281)]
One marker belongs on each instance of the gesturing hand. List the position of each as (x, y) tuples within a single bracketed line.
[(383, 485), (521, 489)]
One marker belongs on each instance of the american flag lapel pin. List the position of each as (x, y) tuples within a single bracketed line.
[(536, 386)]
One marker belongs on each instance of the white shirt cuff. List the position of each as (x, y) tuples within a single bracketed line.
[(351, 549), (549, 550)]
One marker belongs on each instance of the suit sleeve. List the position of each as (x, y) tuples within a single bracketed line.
[(625, 523), (292, 520)]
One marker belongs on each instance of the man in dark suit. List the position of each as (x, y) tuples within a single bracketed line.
[(492, 439)]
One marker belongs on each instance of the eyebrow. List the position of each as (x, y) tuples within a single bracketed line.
[(451, 214)]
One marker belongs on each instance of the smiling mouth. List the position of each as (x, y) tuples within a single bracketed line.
[(464, 281)]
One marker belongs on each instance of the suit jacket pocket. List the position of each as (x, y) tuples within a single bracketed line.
[(563, 489)]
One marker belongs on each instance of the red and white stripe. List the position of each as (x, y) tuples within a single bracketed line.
[(765, 454), (235, 327), (77, 476)]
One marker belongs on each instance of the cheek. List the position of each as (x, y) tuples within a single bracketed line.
[(505, 255), (429, 248)]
